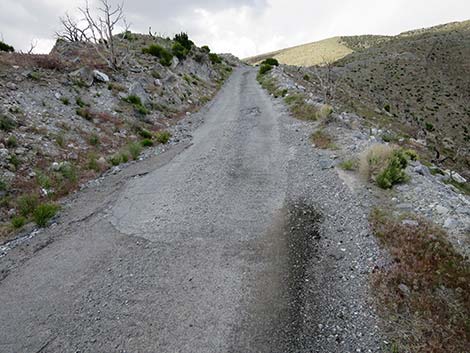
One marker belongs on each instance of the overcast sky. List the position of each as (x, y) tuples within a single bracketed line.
[(243, 27)]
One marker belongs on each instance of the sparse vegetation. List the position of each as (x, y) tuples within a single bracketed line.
[(44, 213), (349, 165), (214, 58), (6, 123), (300, 109), (11, 142), (135, 149), (163, 137), (65, 100), (424, 295), (264, 68), (322, 139), (18, 222), (160, 52), (146, 143), (385, 165), (27, 204)]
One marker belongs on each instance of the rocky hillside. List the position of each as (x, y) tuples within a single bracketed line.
[(416, 84), (65, 117)]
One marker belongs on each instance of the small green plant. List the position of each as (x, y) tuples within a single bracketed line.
[(80, 102), (92, 163), (18, 222), (134, 149), (3, 185), (141, 110), (163, 136), (34, 75), (306, 77), (429, 127), (15, 161), (115, 160), (124, 157), (43, 180), (322, 139), (144, 133), (271, 62), (94, 140), (137, 103), (6, 123), (205, 49), (264, 69), (394, 173), (411, 154), (11, 142), (60, 140), (69, 172), (146, 143), (85, 113), (214, 58), (44, 213), (27, 204), (348, 164), (65, 100), (387, 108)]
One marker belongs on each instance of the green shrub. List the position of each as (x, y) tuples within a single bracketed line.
[(3, 185), (183, 39), (134, 150), (144, 133), (15, 161), (429, 127), (205, 49), (80, 102), (60, 140), (158, 51), (271, 62), (163, 136), (179, 51), (85, 113), (69, 172), (124, 157), (44, 213), (27, 204), (412, 154), (43, 180), (11, 142), (264, 69), (394, 173), (141, 110), (5, 47), (6, 123), (94, 140), (146, 143), (92, 163), (214, 58), (115, 160), (306, 77), (65, 100), (18, 222), (133, 99)]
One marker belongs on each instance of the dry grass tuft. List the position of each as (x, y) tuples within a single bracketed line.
[(424, 295), (375, 159), (322, 139)]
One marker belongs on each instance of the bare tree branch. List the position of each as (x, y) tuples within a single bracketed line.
[(98, 30)]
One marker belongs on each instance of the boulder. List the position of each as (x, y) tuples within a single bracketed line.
[(84, 76), (100, 76), (137, 89)]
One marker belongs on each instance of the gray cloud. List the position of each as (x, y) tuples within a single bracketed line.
[(244, 27)]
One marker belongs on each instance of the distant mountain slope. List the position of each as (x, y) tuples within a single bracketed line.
[(416, 83)]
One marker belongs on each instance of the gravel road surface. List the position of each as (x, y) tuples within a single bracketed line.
[(244, 240)]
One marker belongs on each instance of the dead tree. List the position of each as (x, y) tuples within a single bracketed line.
[(98, 29), (72, 31)]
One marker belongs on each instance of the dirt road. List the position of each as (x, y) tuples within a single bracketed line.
[(209, 247)]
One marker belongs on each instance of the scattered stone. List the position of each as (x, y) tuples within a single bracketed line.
[(404, 289), (100, 76), (410, 223)]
